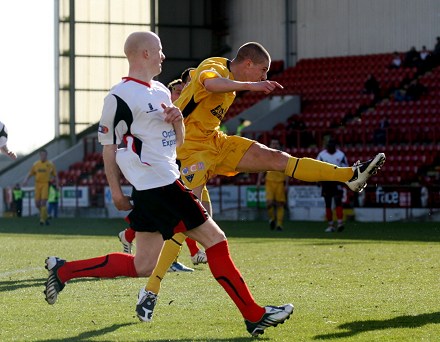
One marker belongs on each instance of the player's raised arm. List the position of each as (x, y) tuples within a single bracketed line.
[(223, 85)]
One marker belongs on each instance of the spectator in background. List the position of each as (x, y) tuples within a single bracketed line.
[(297, 134), (243, 124), (333, 190), (380, 133), (396, 62), (425, 60), (371, 86), (223, 128), (415, 90), (17, 195), (436, 53), (424, 53), (54, 196), (4, 142), (276, 192), (411, 58)]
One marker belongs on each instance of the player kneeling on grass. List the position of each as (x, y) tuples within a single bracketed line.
[(139, 111)]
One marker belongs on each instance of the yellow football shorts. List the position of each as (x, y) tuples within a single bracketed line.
[(275, 191), (201, 160), (41, 191)]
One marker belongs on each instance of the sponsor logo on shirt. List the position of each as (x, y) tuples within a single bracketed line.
[(218, 112), (189, 178), (169, 138)]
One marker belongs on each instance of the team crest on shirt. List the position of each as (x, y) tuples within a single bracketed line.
[(189, 178), (218, 112), (150, 108), (103, 129)]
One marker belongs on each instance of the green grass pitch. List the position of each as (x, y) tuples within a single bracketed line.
[(372, 282)]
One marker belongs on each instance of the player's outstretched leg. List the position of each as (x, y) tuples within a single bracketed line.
[(53, 284), (363, 171), (313, 170), (145, 305), (274, 315)]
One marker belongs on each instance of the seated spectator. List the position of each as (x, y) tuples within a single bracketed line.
[(347, 118), (425, 60), (424, 53), (414, 91), (297, 134), (380, 133), (399, 95), (411, 58), (371, 85), (436, 53), (396, 62)]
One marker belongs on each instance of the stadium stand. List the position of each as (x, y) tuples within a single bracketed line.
[(333, 104)]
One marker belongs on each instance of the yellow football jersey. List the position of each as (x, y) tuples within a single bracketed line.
[(43, 171), (203, 111)]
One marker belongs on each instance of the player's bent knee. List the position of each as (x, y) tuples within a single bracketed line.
[(144, 267)]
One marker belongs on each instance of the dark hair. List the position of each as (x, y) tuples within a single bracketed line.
[(173, 83), (185, 77), (331, 143), (253, 51)]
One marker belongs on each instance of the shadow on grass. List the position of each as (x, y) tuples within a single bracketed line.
[(86, 336), (12, 285), (375, 231), (233, 339), (89, 335), (358, 327)]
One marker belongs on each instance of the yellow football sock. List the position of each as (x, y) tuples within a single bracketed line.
[(170, 251), (280, 215), (43, 214), (312, 170), (271, 213)]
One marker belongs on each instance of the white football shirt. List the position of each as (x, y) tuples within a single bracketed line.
[(338, 158), (132, 113), (3, 135)]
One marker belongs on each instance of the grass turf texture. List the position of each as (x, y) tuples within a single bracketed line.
[(372, 282)]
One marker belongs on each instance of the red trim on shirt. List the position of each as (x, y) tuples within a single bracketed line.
[(126, 79)]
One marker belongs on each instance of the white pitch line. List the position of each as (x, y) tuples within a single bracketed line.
[(23, 270)]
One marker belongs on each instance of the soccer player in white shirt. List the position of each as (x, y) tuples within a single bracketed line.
[(333, 190), (139, 111)]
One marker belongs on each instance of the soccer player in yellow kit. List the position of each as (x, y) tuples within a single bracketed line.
[(44, 171), (276, 183), (207, 151)]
